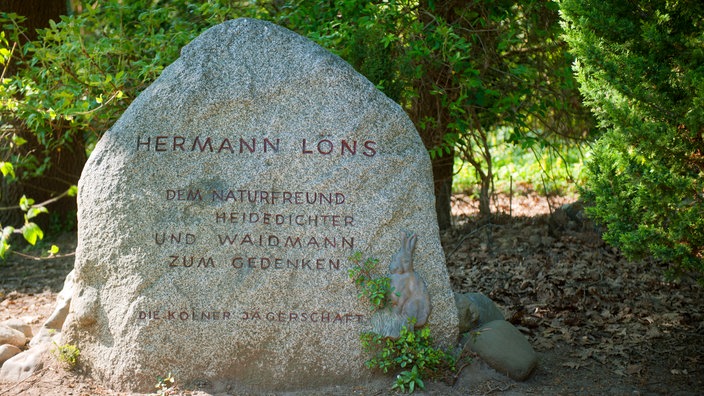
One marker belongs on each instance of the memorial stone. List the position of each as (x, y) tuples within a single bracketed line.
[(217, 215)]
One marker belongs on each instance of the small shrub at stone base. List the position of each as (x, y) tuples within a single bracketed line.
[(408, 381), (166, 385), (412, 352), (67, 354)]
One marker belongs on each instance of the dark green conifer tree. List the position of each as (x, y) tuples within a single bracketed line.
[(641, 69)]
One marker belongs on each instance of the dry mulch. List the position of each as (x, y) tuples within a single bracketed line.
[(600, 323), (613, 320)]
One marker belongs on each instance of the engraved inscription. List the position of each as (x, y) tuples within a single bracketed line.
[(184, 195), (313, 316), (282, 219), (191, 261), (204, 144), (234, 248), (279, 197), (253, 145), (266, 263), (184, 315), (179, 238), (344, 147), (288, 241)]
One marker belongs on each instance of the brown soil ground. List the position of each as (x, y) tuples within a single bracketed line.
[(601, 325)]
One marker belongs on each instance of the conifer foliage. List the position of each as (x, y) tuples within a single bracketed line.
[(641, 69)]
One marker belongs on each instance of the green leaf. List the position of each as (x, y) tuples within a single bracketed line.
[(26, 203), (18, 141), (72, 191), (7, 169), (54, 250), (34, 212), (4, 247), (31, 232)]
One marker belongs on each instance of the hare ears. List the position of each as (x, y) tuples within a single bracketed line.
[(409, 239)]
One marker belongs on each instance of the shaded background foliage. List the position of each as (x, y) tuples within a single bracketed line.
[(462, 70), (50, 171)]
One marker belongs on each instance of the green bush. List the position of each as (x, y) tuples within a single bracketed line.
[(640, 69), (67, 354), (412, 354)]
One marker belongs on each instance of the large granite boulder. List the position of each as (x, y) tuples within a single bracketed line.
[(217, 215)]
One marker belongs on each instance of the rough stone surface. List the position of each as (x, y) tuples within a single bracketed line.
[(217, 215), (18, 325), (12, 337), (475, 309), (7, 351), (504, 348), (24, 364), (56, 320)]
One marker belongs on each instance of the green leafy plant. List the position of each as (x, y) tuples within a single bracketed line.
[(31, 231), (67, 354), (373, 289), (413, 353), (409, 381), (166, 385)]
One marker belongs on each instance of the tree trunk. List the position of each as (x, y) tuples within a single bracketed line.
[(443, 170), (428, 105), (443, 166), (485, 198), (37, 12)]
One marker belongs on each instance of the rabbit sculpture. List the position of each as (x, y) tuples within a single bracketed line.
[(409, 295)]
